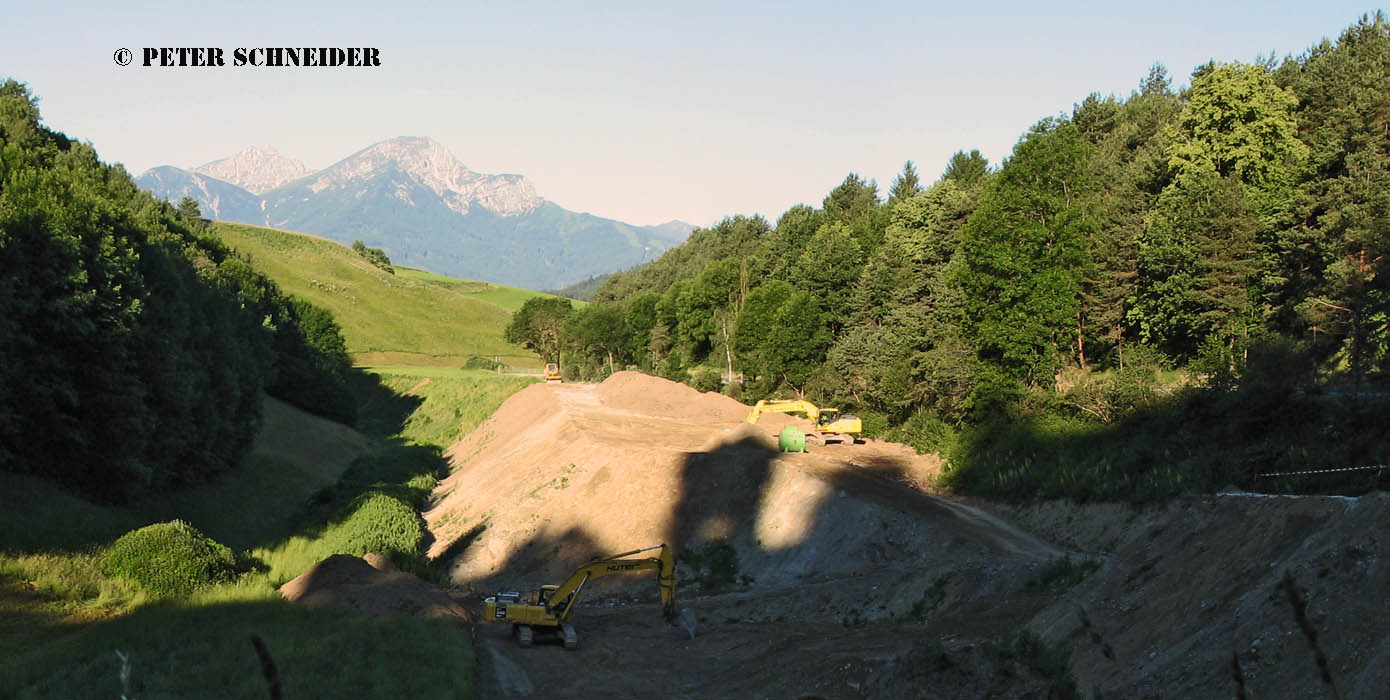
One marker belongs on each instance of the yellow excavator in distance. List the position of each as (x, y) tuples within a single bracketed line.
[(830, 423), (548, 610), (552, 373)]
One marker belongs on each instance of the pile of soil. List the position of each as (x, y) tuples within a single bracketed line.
[(562, 473), (370, 585), (851, 578)]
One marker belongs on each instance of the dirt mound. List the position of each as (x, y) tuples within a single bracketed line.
[(563, 472), (371, 585), (645, 394)]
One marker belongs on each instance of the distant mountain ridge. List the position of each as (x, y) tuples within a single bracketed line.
[(256, 170), (411, 197)]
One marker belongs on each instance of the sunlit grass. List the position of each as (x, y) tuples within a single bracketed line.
[(455, 401), (411, 312)]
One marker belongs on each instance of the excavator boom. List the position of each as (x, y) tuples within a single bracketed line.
[(552, 606), (829, 421), (563, 598)]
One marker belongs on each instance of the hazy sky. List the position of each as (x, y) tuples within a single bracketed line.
[(641, 111)]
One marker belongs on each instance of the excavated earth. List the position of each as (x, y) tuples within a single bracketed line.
[(854, 579)]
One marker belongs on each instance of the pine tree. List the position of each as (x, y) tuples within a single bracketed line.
[(967, 169), (906, 185)]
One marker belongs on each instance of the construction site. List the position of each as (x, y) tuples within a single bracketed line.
[(842, 572)]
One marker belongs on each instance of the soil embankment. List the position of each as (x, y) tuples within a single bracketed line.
[(852, 579)]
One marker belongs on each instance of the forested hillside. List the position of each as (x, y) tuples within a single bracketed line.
[(136, 348), (1174, 289)]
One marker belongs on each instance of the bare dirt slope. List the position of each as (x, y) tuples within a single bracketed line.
[(854, 580), (1186, 586)]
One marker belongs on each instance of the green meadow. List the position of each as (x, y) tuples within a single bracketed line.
[(412, 317)]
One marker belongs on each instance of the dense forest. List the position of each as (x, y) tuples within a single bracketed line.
[(1176, 289), (136, 347)]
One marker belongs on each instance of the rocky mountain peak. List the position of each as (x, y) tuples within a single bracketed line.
[(430, 164), (256, 169)]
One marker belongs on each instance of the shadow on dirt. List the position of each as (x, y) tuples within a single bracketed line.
[(721, 492)]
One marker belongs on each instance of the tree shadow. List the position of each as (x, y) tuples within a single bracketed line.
[(1274, 428), (381, 410), (721, 491)]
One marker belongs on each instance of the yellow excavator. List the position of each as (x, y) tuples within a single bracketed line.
[(552, 373), (548, 610), (830, 423)]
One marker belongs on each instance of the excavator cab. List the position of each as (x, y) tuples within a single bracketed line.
[(827, 416), (542, 596)]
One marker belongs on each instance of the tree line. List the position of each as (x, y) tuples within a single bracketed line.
[(136, 346), (1193, 230)]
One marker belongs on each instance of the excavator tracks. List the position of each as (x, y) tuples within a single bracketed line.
[(571, 637)]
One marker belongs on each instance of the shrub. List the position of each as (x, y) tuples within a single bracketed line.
[(706, 379), (1062, 573), (715, 563), (1052, 662), (169, 559), (876, 424), (375, 256), (379, 522), (926, 433), (733, 390), (476, 362)]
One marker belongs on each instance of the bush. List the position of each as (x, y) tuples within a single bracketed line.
[(706, 379), (1061, 573), (733, 390), (169, 559), (475, 362), (670, 367), (375, 256), (1052, 662), (876, 424), (926, 433), (379, 522), (715, 563)]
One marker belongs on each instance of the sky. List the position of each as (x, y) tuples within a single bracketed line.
[(638, 111)]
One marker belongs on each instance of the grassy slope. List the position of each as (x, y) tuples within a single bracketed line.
[(413, 317), (61, 620)]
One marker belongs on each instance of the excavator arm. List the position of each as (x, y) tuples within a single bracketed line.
[(550, 609), (789, 406), (828, 421), (562, 599)]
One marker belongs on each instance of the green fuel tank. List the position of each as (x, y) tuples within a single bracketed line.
[(791, 439)]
